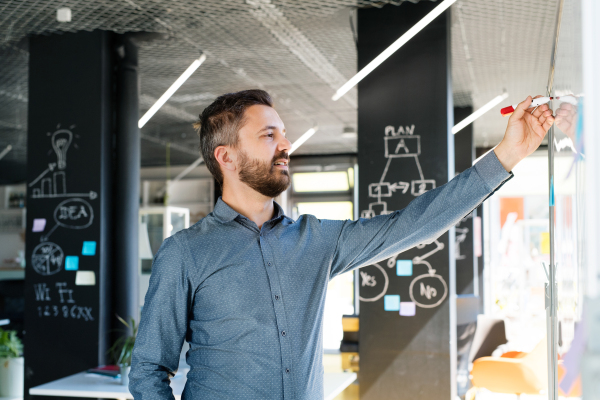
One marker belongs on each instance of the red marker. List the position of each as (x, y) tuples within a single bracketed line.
[(538, 102)]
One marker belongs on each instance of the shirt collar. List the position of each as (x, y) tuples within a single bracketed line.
[(225, 214)]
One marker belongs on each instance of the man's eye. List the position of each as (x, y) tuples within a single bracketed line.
[(270, 134)]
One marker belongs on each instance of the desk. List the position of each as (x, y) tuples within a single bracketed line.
[(96, 386)]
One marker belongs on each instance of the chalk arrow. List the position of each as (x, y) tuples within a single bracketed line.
[(404, 186), (40, 176), (44, 238)]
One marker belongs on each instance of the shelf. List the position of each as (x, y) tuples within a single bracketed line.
[(12, 273)]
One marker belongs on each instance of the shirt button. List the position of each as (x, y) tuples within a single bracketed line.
[(282, 333), (269, 263), (276, 297), (287, 370)]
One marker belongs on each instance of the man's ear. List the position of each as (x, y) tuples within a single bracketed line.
[(226, 159)]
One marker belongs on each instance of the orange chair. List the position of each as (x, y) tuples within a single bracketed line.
[(518, 373)]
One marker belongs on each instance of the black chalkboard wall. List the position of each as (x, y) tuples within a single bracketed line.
[(68, 195), (405, 148)]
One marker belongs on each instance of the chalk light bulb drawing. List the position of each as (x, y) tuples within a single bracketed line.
[(61, 139)]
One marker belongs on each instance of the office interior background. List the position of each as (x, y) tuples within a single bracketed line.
[(88, 123)]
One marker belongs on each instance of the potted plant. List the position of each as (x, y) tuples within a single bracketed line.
[(11, 364), (122, 349)]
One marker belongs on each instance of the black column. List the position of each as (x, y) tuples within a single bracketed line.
[(406, 148), (68, 246), (466, 263), (127, 181)]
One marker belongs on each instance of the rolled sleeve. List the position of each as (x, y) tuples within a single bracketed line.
[(163, 324)]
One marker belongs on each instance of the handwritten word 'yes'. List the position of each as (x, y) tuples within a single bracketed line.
[(367, 280)]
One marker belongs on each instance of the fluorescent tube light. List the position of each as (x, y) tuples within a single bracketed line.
[(491, 104), (176, 85), (303, 139), (5, 151), (392, 48)]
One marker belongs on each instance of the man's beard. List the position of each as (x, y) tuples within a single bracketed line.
[(264, 177)]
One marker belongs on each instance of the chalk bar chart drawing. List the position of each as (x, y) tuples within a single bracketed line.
[(72, 214), (50, 183), (47, 258), (399, 144)]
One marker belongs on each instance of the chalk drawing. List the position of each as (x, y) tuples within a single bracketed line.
[(402, 143), (399, 144), (369, 280), (55, 186), (47, 258), (71, 214)]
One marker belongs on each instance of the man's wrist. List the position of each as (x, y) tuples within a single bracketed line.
[(506, 156)]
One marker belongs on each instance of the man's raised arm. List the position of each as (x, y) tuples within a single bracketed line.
[(367, 241), (163, 325)]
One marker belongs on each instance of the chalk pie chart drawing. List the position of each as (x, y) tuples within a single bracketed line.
[(374, 282), (47, 258)]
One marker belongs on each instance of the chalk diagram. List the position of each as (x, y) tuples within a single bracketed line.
[(56, 185), (73, 213), (428, 290), (371, 281), (47, 258), (401, 143), (461, 236)]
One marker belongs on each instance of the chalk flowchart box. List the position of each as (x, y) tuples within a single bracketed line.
[(402, 146)]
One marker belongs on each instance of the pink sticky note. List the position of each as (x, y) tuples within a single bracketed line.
[(408, 308), (38, 225)]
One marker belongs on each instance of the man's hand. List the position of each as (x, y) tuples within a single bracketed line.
[(524, 133)]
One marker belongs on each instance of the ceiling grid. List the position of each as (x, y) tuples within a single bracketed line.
[(300, 51)]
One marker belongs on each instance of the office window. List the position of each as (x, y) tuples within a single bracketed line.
[(334, 181)]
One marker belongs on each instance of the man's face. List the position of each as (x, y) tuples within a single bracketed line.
[(263, 152)]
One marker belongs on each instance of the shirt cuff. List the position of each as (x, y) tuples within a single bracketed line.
[(491, 171)]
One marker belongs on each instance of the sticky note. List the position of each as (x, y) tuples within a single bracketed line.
[(391, 302), (89, 249), (408, 309), (85, 278), (404, 267), (38, 225), (71, 263)]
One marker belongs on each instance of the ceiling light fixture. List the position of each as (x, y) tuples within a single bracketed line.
[(491, 104), (176, 85), (5, 151), (303, 139), (392, 48)]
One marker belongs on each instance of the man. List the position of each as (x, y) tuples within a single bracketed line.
[(246, 285)]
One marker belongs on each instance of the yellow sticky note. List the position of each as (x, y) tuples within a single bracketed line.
[(545, 242)]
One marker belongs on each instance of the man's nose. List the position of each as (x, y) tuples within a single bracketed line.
[(284, 144)]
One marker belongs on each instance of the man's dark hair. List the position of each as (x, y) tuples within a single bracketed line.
[(220, 123)]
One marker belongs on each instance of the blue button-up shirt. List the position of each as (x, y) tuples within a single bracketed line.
[(250, 301)]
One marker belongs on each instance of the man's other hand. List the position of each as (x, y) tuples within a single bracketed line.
[(524, 133)]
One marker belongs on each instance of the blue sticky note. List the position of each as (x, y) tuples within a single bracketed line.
[(71, 263), (391, 302), (404, 267), (89, 249)]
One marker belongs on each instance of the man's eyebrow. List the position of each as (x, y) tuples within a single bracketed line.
[(267, 128)]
